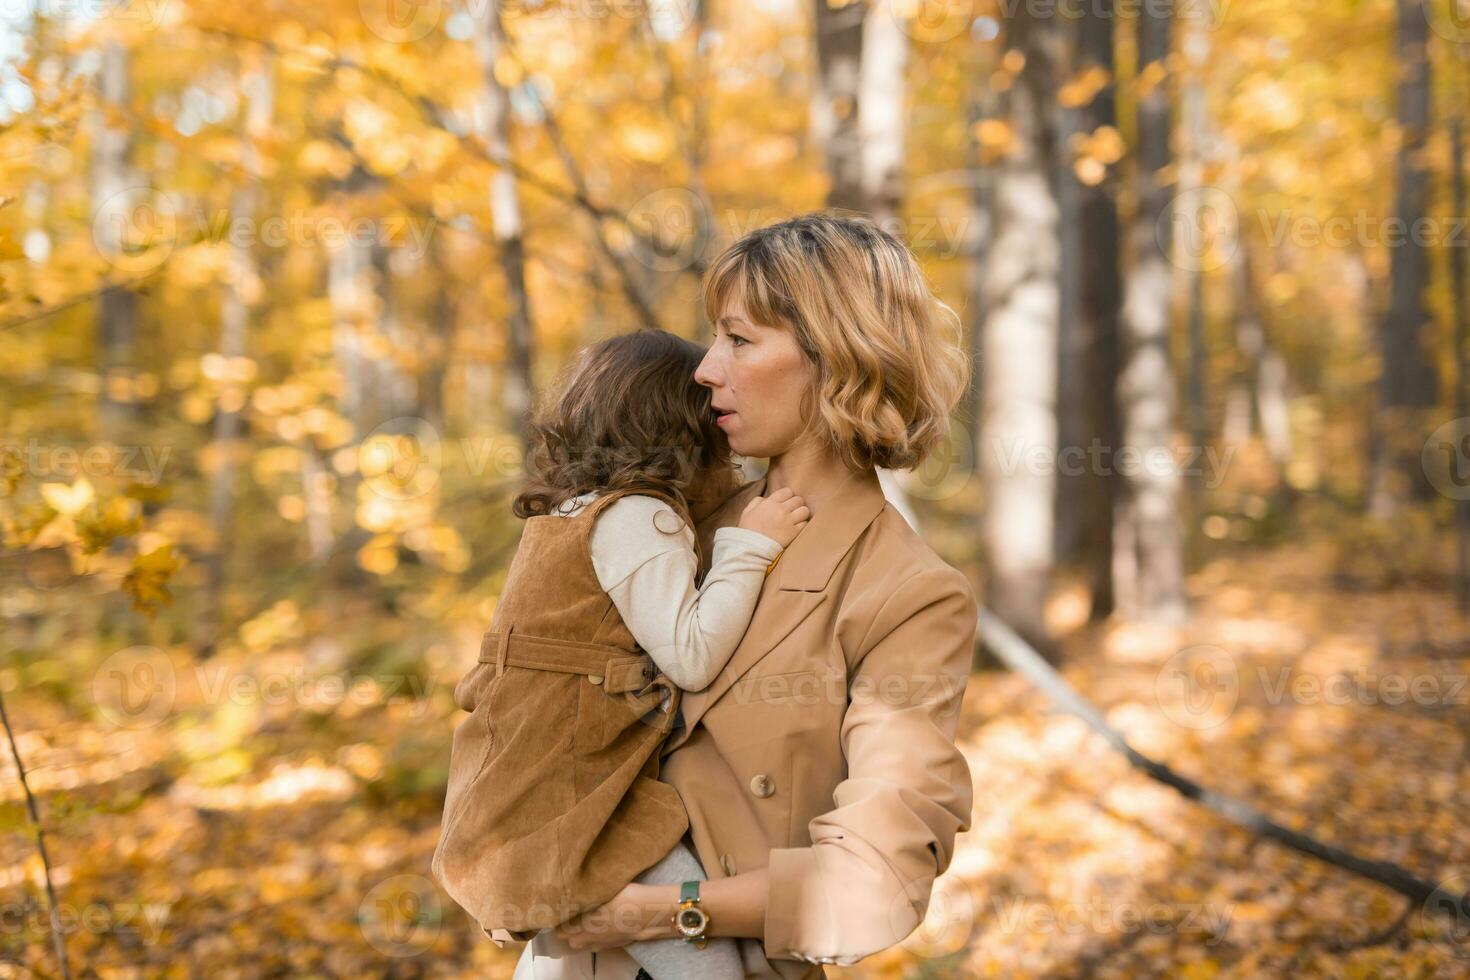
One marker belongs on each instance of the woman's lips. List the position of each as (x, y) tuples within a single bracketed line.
[(720, 419)]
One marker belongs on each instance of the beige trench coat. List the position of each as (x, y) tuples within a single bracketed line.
[(825, 751)]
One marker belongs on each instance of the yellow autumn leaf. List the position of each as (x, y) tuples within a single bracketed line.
[(147, 582), (68, 500)]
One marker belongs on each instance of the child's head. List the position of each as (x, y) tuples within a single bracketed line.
[(626, 413)]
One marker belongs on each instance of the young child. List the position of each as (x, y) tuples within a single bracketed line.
[(553, 804)]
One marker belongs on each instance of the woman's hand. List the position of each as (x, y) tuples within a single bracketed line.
[(636, 912)]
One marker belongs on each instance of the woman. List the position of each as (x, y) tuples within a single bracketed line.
[(819, 769)]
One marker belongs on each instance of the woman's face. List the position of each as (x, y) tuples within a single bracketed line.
[(759, 376)]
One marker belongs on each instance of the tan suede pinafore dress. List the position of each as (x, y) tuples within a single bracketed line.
[(554, 803)]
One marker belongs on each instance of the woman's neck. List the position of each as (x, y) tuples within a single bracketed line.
[(816, 474)]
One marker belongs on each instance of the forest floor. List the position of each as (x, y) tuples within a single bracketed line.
[(237, 833)]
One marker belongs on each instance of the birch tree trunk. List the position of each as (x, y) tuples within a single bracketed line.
[(1018, 354), (882, 117), (1153, 544), (518, 389)]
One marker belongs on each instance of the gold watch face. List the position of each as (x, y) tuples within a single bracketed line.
[(691, 921)]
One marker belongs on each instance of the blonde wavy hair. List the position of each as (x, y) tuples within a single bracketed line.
[(863, 314)]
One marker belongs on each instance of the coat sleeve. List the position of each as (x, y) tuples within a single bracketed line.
[(644, 558), (865, 881)]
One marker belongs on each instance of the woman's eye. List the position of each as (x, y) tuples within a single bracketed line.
[(737, 340)]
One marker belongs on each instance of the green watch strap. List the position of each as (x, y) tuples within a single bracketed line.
[(689, 891)]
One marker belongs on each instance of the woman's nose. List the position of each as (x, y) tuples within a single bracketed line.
[(706, 374)]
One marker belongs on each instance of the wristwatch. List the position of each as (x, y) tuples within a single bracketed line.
[(689, 918)]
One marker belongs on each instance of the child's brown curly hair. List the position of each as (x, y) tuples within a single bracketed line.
[(627, 413)]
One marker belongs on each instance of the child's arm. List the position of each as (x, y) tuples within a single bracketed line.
[(644, 557)]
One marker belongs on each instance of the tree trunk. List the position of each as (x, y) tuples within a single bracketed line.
[(1018, 355), (1460, 283), (112, 183), (882, 117), (834, 116), (1089, 367), (239, 300), (978, 238), (443, 328), (1407, 385), (1153, 542), (1196, 47), (506, 226)]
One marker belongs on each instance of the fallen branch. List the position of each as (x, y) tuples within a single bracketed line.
[(35, 818), (1018, 655)]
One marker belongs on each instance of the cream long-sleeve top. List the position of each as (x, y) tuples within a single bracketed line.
[(644, 556)]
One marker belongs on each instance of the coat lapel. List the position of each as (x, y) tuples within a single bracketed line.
[(795, 587)]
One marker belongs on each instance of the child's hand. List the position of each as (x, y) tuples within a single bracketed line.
[(782, 515)]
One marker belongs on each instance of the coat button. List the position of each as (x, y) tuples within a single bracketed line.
[(728, 865), (594, 678), (762, 785)]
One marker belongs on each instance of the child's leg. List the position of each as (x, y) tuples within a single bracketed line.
[(674, 959)]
